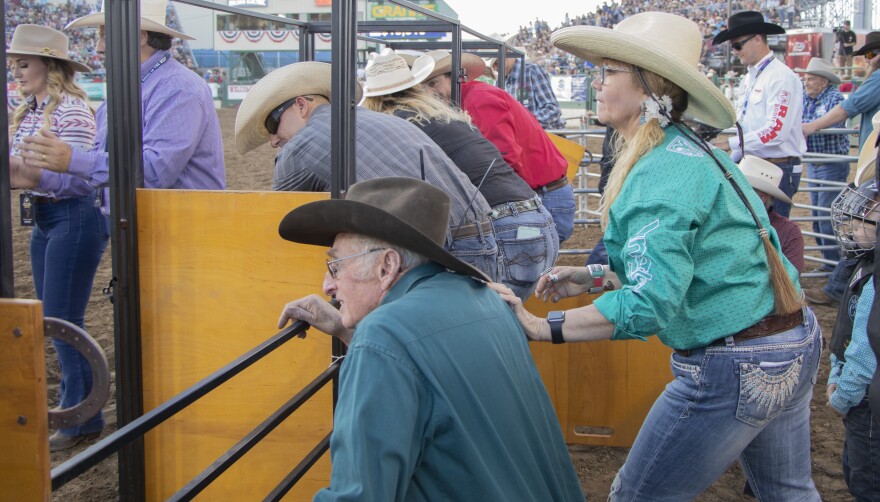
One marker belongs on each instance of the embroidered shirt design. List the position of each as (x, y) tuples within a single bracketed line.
[(638, 269), (683, 147)]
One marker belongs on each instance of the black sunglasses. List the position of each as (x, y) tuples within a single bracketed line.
[(274, 118), (738, 46)]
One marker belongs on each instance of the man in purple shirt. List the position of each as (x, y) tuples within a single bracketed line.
[(181, 133)]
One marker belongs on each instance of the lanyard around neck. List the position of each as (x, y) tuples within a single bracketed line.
[(753, 83), (155, 67)]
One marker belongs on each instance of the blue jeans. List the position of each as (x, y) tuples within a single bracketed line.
[(481, 251), (560, 203), (749, 400), (527, 245), (861, 453), (837, 171), (789, 185), (599, 255), (67, 242)]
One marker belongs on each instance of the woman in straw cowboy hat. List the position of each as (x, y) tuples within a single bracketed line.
[(70, 233), (698, 265), (524, 229)]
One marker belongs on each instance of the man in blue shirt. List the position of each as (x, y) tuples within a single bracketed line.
[(439, 398), (532, 88)]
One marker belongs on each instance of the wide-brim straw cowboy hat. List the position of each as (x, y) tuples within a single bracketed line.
[(405, 212), (764, 176), (472, 64), (872, 43), (152, 19), (297, 79), (387, 73), (666, 44), (35, 40), (747, 23), (868, 155), (821, 68)]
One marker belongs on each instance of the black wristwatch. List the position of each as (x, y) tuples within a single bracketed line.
[(555, 318)]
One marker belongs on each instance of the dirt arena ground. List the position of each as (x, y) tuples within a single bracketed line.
[(596, 466)]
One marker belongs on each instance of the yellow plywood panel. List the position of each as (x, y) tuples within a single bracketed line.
[(24, 430), (214, 276), (602, 391)]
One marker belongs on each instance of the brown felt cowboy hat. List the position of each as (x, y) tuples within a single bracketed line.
[(872, 43), (152, 19), (747, 22), (35, 40), (285, 83), (473, 65), (405, 212)]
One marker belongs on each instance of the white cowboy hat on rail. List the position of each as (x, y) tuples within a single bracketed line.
[(764, 176), (152, 19), (666, 44)]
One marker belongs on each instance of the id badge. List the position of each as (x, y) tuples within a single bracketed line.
[(26, 209)]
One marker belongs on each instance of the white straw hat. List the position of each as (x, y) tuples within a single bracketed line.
[(666, 44), (387, 73), (287, 82), (35, 40), (821, 68), (152, 19), (764, 176)]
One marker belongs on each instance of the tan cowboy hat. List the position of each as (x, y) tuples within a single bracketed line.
[(666, 44), (35, 40), (405, 212), (764, 176), (821, 68), (868, 155), (152, 19), (387, 73), (409, 56), (473, 65), (282, 84)]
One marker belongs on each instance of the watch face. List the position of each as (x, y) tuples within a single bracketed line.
[(556, 315)]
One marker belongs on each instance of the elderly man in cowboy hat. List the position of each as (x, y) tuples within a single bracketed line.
[(770, 102), (439, 397), (289, 108), (181, 133), (820, 96), (514, 131)]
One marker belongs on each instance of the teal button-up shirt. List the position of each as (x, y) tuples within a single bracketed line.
[(440, 399), (687, 250)]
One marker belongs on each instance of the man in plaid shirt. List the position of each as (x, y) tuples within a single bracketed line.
[(820, 96), (535, 92)]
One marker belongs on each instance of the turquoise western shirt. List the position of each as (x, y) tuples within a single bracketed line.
[(439, 399), (686, 249)]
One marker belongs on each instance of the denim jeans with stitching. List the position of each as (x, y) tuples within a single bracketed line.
[(481, 251), (861, 453), (746, 400), (67, 242), (789, 185), (560, 203), (527, 245), (837, 171)]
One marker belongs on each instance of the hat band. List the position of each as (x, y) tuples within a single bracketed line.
[(392, 86), (45, 51)]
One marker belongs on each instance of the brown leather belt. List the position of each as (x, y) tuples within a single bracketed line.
[(770, 325), (520, 206), (553, 185), (471, 230), (782, 160)]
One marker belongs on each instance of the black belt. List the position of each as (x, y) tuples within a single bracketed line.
[(770, 325), (42, 199), (782, 160), (553, 185), (508, 208), (472, 230)]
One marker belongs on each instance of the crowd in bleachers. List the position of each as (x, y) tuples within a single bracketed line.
[(710, 15), (82, 41)]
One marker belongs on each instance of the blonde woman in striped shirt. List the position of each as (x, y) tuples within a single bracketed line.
[(70, 233)]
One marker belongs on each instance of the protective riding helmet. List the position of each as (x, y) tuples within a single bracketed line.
[(854, 216)]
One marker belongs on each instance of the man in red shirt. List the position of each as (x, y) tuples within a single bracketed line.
[(515, 132)]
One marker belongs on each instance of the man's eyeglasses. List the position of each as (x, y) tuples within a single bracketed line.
[(738, 46), (605, 69), (335, 270), (274, 118)]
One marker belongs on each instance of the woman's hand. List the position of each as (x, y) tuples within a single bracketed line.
[(563, 282), (536, 328)]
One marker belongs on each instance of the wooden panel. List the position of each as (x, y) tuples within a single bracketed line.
[(24, 414), (214, 277), (602, 391)]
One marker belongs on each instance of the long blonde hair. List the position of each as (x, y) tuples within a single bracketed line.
[(424, 104), (648, 136), (59, 77)]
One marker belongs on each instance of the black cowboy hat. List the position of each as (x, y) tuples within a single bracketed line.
[(405, 212), (872, 43), (747, 22)]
